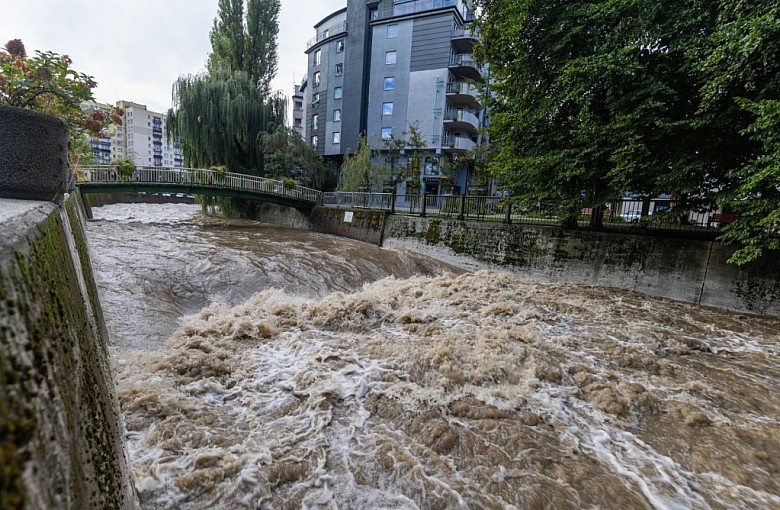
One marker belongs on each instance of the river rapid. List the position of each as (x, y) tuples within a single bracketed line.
[(259, 366)]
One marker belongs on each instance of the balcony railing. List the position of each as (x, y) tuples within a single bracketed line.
[(422, 6), (457, 142), (325, 33), (463, 59), (471, 32), (459, 115)]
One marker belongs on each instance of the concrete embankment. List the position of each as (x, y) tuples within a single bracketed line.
[(61, 443), (691, 270)]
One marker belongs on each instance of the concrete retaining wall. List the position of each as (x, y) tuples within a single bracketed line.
[(684, 269), (61, 443), (281, 215), (360, 224)]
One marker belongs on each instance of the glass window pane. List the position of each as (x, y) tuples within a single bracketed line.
[(390, 57), (390, 83), (387, 108)]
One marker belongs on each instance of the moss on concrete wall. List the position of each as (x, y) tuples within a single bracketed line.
[(686, 269), (60, 430), (365, 225)]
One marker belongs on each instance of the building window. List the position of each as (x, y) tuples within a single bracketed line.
[(340, 46), (392, 31), (326, 33), (390, 57), (387, 133), (336, 115), (315, 121), (387, 108), (315, 98), (317, 57), (314, 141), (336, 137), (316, 79), (339, 69), (390, 83), (337, 93)]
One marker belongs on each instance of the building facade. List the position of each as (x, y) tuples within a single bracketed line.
[(297, 110), (141, 138), (379, 67)]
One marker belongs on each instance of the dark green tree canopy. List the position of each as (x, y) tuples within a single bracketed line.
[(609, 96)]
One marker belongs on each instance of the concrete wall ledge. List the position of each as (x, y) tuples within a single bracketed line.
[(690, 270), (61, 432), (18, 220)]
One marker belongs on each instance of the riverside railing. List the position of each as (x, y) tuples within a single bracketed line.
[(196, 177), (621, 214)]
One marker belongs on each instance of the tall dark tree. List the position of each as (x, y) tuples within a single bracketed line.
[(221, 116), (603, 97), (743, 87)]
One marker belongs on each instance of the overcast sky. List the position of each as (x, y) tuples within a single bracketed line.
[(136, 49)]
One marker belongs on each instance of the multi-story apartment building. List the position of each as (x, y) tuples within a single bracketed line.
[(377, 67), (297, 110), (141, 138)]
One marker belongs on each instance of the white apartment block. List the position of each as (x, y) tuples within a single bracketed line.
[(141, 138)]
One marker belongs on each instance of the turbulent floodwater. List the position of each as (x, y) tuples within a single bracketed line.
[(445, 391)]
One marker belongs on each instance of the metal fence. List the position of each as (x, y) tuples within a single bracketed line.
[(626, 214), (195, 177)]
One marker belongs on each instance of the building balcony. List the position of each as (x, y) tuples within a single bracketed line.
[(463, 39), (461, 120), (464, 65), (456, 143), (461, 92), (327, 33)]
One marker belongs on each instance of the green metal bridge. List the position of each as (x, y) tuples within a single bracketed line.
[(194, 181)]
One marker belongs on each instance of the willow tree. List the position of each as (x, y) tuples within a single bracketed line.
[(220, 116)]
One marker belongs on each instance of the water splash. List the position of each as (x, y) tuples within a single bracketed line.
[(474, 391)]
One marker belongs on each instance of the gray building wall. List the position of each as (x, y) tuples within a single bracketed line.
[(423, 46), (327, 46), (432, 41), (379, 70), (427, 100)]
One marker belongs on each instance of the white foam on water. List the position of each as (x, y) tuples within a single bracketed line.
[(476, 391)]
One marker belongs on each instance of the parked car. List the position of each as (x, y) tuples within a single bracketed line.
[(632, 216)]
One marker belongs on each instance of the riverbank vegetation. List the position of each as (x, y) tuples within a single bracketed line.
[(590, 100), (46, 82)]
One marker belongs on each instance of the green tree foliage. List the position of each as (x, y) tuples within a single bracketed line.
[(220, 116), (608, 96), (743, 84), (287, 155), (403, 156), (46, 83), (360, 172)]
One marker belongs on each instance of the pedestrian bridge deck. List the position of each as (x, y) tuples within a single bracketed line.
[(194, 181)]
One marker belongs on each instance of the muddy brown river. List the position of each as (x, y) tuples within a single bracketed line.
[(263, 367)]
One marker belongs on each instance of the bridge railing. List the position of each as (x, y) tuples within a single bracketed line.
[(197, 177)]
